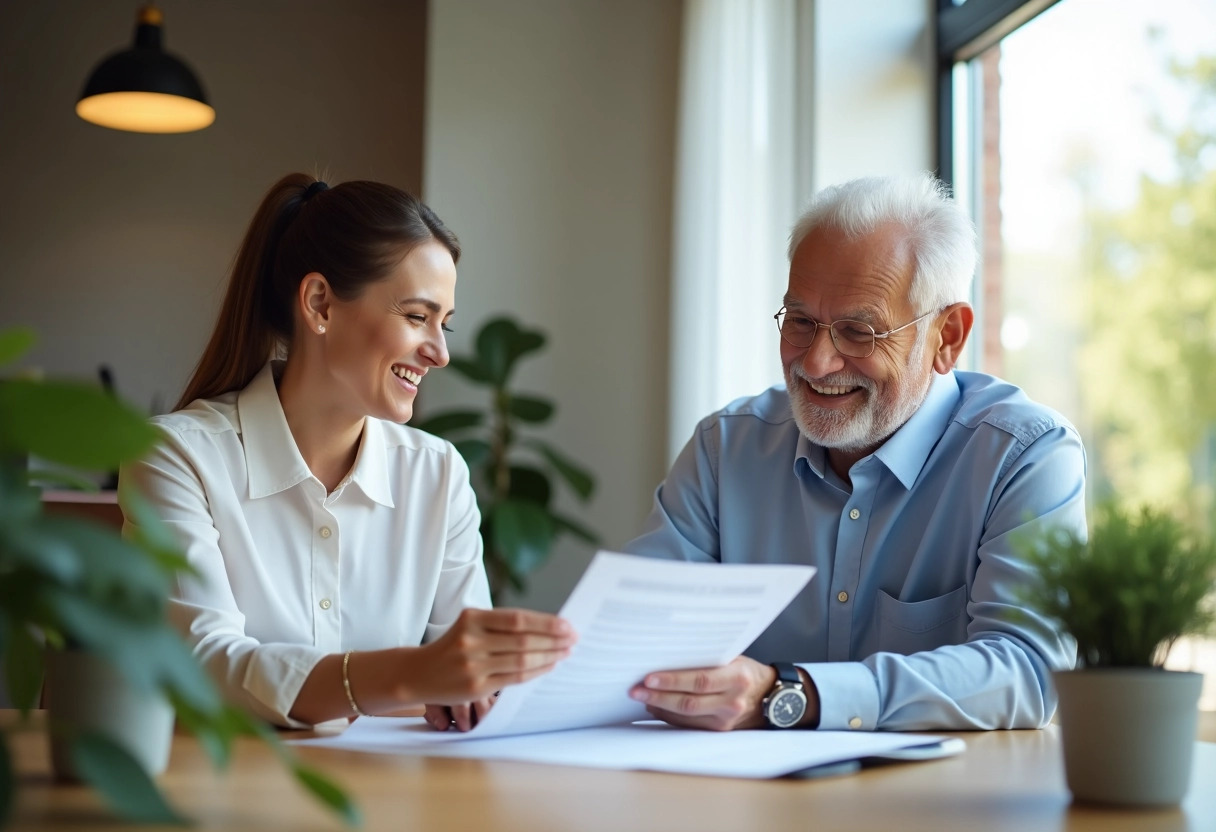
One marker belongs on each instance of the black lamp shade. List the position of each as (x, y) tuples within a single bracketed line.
[(145, 89)]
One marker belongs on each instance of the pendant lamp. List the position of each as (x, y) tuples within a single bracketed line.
[(144, 89)]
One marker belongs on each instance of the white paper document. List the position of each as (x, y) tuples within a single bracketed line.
[(654, 746), (635, 616)]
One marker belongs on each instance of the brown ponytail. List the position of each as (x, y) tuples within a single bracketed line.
[(353, 233)]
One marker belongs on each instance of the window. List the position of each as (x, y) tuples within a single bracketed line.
[(1082, 133)]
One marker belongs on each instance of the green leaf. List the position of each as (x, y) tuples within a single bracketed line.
[(73, 424), (576, 477), (22, 664), (522, 534), (106, 561), (14, 343), (110, 769), (445, 423), (150, 533), (474, 451), (494, 348), (34, 546), (567, 525), (19, 501), (471, 369), (328, 793), (48, 478), (214, 734), (529, 484), (530, 409), (149, 655)]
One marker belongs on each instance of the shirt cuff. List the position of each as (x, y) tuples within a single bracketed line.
[(848, 695), (274, 676)]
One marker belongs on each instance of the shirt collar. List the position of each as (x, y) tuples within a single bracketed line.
[(272, 458), (906, 451), (370, 471)]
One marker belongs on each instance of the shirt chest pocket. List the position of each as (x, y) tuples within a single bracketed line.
[(912, 626)]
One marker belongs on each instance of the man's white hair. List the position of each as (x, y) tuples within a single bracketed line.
[(941, 233)]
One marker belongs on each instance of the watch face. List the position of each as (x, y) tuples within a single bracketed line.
[(786, 708)]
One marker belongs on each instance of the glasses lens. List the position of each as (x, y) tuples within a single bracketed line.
[(853, 338), (798, 330)]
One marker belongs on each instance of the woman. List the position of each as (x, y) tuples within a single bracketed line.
[(337, 552)]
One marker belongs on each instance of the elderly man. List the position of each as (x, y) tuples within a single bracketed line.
[(910, 485)]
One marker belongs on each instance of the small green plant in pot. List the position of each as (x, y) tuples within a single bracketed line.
[(76, 597), (1140, 582), (518, 521)]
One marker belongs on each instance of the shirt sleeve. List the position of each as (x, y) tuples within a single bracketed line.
[(683, 524), (462, 578), (1000, 677), (265, 679)]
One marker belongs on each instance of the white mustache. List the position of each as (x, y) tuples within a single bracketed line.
[(835, 380)]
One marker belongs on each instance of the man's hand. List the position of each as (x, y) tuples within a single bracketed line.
[(717, 699)]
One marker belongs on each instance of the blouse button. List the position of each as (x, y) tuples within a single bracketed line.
[(325, 532), (325, 603), (855, 722), (854, 514), (842, 596)]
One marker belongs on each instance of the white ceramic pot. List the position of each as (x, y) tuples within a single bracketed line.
[(85, 693), (1129, 734)]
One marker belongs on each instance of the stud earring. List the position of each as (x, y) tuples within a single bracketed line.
[(321, 329)]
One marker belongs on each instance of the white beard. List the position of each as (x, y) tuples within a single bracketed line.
[(868, 424)]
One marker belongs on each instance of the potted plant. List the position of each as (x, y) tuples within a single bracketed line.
[(94, 603), (518, 521), (1142, 580)]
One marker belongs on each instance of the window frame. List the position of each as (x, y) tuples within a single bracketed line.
[(962, 32)]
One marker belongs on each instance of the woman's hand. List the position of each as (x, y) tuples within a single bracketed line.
[(483, 652), (464, 717)]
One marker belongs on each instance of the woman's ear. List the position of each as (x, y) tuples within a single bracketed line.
[(314, 298), (954, 331)]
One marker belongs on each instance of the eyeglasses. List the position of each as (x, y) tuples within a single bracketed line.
[(852, 338)]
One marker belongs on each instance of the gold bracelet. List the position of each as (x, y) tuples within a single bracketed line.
[(350, 697)]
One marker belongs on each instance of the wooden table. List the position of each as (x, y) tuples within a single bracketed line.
[(1006, 780)]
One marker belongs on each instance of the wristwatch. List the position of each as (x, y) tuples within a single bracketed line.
[(786, 702)]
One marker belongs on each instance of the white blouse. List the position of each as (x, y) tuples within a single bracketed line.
[(288, 573)]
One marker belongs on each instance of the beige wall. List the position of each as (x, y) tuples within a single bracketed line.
[(550, 131), (115, 245)]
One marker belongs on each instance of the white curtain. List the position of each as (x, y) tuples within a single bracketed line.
[(742, 171)]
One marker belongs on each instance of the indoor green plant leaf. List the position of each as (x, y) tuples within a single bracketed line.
[(523, 532), (45, 419), (86, 588), (22, 663), (518, 529), (577, 477), (325, 791), (108, 767), (1138, 583), (530, 408), (453, 420), (15, 342)]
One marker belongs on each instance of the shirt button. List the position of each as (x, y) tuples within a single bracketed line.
[(842, 596), (854, 514), (325, 603), (855, 722), (325, 532)]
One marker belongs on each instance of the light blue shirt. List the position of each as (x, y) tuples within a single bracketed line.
[(913, 620)]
